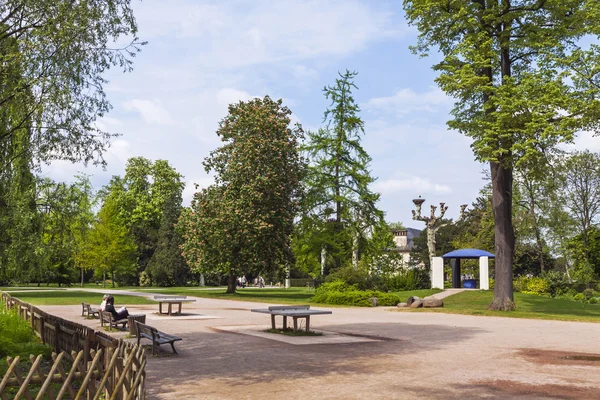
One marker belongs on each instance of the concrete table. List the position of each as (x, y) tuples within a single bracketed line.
[(291, 311), (170, 300)]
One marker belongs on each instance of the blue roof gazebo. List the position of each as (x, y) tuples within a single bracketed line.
[(469, 254)]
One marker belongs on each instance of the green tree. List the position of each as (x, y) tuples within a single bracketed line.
[(60, 204), (522, 83), (20, 223), (580, 192), (243, 222), (141, 196), (586, 256), (167, 267), (110, 247), (61, 49), (82, 222), (338, 179)]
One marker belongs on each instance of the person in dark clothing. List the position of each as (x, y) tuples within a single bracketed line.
[(110, 307)]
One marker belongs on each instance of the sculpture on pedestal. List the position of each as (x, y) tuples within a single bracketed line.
[(433, 222)]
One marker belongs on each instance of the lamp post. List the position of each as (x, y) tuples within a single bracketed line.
[(433, 222)]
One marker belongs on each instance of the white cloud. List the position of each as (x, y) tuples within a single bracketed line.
[(229, 96), (406, 101), (151, 111), (413, 184), (585, 141), (233, 34), (190, 187)]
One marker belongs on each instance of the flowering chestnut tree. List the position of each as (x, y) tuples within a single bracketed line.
[(243, 222)]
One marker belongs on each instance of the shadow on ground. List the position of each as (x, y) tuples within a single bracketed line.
[(244, 360)]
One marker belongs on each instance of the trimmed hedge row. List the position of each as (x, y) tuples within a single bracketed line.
[(340, 293)]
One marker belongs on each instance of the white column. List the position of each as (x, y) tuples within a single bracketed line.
[(484, 275), (437, 273)]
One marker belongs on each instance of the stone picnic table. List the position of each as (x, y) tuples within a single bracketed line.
[(291, 311), (170, 300)]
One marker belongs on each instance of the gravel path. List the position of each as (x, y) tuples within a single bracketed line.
[(400, 355)]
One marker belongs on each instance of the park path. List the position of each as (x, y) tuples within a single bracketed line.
[(389, 354)]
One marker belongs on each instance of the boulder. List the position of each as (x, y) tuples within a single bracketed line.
[(402, 305), (411, 299), (432, 303), (373, 301), (417, 304)]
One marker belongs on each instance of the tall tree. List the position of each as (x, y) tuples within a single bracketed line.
[(522, 84), (338, 178), (580, 190), (110, 247), (62, 48), (20, 224), (141, 196), (243, 222), (167, 267)]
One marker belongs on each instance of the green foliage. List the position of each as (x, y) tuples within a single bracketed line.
[(338, 207), (167, 267), (61, 49), (20, 223), (523, 84), (110, 247), (243, 222), (585, 250), (16, 336), (359, 278), (532, 285), (409, 279), (339, 292), (142, 195)]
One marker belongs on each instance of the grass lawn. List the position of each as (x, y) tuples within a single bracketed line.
[(70, 297), (528, 306), (277, 296)]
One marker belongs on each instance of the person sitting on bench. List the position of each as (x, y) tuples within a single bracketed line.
[(122, 313), (103, 304)]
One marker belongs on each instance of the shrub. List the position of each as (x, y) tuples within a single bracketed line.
[(579, 297), (409, 279), (532, 285), (588, 294), (359, 277), (16, 336), (340, 293)]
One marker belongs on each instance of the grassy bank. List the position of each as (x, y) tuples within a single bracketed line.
[(528, 306)]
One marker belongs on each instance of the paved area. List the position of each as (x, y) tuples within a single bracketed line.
[(446, 293), (404, 356)]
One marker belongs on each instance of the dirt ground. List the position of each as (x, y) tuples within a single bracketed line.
[(399, 356)]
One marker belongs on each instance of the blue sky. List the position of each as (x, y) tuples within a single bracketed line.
[(203, 55)]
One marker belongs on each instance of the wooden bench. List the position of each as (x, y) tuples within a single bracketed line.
[(170, 300), (106, 317), (291, 311), (157, 337), (87, 310)]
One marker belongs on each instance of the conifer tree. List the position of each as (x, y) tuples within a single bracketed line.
[(339, 202)]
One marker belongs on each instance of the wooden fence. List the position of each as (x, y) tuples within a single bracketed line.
[(86, 363)]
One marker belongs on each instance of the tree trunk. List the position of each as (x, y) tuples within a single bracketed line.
[(81, 276), (504, 237), (104, 279), (431, 244), (201, 281), (112, 278), (355, 241), (231, 282), (323, 260)]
